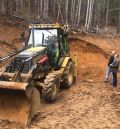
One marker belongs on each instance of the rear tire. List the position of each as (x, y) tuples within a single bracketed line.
[(51, 88), (68, 77)]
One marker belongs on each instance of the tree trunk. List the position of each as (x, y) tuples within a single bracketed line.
[(66, 11), (87, 14), (118, 20), (107, 12), (79, 12)]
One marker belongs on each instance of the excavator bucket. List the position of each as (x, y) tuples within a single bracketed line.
[(18, 102)]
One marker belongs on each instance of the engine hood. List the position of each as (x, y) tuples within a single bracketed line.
[(31, 51)]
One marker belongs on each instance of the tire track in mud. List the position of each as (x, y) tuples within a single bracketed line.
[(87, 107), (84, 106)]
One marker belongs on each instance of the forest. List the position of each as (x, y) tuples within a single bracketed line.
[(85, 14)]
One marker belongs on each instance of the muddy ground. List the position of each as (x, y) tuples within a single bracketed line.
[(88, 104)]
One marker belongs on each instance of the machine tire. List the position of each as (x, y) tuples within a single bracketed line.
[(51, 88), (68, 77)]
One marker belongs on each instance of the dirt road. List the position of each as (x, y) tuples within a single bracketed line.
[(89, 104), (84, 106)]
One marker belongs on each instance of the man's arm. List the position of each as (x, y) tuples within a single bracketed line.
[(115, 64)]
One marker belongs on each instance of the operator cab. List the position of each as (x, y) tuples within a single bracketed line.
[(50, 36)]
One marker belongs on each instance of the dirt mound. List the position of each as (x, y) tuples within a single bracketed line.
[(108, 44), (92, 60), (9, 37)]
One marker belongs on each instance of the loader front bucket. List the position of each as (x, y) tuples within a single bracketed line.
[(18, 102)]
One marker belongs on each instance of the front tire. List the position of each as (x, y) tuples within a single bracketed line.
[(51, 88)]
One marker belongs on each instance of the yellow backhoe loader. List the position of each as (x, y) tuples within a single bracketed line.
[(36, 71)]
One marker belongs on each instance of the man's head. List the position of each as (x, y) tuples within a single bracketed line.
[(116, 56), (113, 53)]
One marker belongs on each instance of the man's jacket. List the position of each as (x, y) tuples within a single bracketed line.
[(115, 66)]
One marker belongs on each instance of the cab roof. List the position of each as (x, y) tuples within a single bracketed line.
[(48, 26)]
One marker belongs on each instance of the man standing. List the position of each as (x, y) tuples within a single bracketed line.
[(109, 68), (114, 69)]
